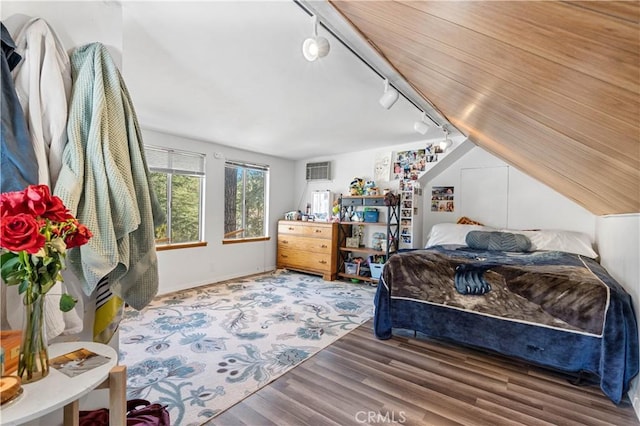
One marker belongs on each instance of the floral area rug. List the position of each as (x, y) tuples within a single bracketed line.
[(200, 351)]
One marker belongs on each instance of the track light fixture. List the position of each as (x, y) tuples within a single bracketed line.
[(390, 95), (446, 143), (316, 46), (420, 126)]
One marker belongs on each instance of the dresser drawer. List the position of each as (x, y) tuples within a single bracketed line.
[(307, 229), (314, 245), (292, 258), (318, 231), (296, 228), (378, 201)]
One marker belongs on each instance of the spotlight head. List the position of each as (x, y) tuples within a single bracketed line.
[(421, 127), (445, 144), (315, 47), (389, 97)]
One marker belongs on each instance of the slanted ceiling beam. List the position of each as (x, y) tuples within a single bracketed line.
[(552, 88)]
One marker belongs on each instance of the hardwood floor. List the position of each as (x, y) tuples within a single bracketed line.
[(362, 380)]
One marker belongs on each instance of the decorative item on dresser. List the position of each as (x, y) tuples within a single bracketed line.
[(308, 247)]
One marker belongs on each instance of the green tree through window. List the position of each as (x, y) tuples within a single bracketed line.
[(178, 179), (245, 200)]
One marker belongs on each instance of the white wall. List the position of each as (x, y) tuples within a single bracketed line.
[(521, 202), (186, 268), (619, 243), (75, 22)]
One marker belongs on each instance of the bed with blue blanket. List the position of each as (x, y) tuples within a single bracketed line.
[(555, 309)]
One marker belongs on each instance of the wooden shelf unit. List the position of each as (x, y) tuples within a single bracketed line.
[(348, 206)]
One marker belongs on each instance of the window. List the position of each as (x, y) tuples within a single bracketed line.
[(178, 179), (245, 200)]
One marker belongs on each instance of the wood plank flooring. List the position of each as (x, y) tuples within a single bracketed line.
[(362, 380)]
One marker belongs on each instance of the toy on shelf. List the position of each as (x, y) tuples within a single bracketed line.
[(370, 188), (356, 187)]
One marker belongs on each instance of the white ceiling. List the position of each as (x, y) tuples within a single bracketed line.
[(232, 72)]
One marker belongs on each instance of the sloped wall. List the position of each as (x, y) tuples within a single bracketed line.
[(550, 87)]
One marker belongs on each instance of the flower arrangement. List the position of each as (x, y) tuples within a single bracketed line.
[(36, 229)]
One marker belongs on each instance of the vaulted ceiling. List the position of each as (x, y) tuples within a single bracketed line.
[(551, 87)]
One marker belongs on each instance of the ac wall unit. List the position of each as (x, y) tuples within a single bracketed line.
[(319, 171)]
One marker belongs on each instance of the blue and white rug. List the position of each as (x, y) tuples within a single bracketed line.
[(201, 351)]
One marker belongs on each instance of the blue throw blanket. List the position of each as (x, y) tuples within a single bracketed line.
[(570, 313)]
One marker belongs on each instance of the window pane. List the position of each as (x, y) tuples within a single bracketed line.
[(177, 178), (254, 207), (159, 184), (245, 205), (185, 209)]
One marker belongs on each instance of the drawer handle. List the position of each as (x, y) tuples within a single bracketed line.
[(291, 228), (285, 242), (284, 255), (323, 246), (318, 230), (323, 262)]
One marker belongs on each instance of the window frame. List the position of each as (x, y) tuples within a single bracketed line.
[(170, 171), (267, 176)]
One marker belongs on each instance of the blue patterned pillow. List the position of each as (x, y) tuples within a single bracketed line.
[(500, 241)]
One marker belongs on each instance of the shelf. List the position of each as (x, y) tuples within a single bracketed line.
[(357, 277), (363, 250), (351, 205), (367, 223)]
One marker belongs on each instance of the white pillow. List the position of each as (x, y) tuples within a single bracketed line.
[(554, 240), (452, 233)]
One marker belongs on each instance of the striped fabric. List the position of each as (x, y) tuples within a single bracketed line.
[(109, 309), (498, 241)]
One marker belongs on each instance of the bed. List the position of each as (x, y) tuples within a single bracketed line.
[(555, 308)]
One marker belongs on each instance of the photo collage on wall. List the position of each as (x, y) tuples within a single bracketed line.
[(408, 210), (409, 164), (442, 199)]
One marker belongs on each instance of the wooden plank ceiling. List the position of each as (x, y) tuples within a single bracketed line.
[(551, 87)]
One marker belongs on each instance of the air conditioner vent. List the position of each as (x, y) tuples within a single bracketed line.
[(319, 171)]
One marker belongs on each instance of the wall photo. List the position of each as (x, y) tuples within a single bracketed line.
[(409, 164), (442, 199)]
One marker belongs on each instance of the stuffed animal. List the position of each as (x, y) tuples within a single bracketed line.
[(336, 207), (356, 187), (370, 188)]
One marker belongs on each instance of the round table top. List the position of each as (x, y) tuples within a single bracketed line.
[(57, 389)]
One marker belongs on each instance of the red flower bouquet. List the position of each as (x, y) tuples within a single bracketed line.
[(36, 229), (35, 233)]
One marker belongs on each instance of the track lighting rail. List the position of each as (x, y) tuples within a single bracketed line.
[(371, 67)]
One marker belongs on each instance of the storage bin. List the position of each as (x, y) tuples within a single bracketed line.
[(371, 216), (352, 242), (351, 268), (376, 270), (364, 271)]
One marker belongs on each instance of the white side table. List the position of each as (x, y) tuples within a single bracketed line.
[(58, 390)]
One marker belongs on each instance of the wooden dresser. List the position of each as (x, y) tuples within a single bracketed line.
[(308, 247)]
